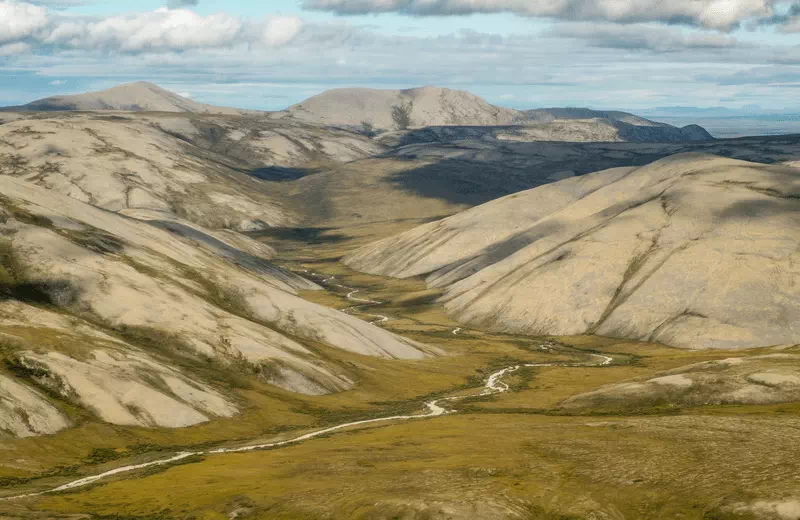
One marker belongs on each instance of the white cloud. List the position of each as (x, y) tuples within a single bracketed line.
[(163, 29), (574, 62), (643, 36), (716, 14), (173, 4), (14, 49), (280, 30), (19, 21), (63, 4)]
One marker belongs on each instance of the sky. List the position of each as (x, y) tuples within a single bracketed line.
[(269, 54)]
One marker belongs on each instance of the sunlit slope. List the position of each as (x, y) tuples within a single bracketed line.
[(433, 114), (140, 322), (140, 96), (693, 250), (425, 106), (206, 169)]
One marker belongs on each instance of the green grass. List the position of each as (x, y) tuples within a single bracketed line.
[(544, 467), (534, 512)]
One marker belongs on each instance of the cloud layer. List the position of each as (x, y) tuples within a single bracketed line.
[(715, 14), (25, 26), (643, 37), (594, 52), (18, 21)]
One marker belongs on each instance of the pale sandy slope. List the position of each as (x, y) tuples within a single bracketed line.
[(202, 168), (140, 96), (429, 106), (693, 250), (444, 115), (116, 314)]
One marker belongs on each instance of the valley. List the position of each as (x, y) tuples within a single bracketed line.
[(208, 313), (438, 454)]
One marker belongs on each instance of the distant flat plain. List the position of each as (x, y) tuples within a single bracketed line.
[(739, 126)]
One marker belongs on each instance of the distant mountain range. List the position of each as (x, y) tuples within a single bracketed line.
[(376, 112), (426, 107)]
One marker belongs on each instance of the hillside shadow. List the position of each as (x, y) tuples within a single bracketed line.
[(60, 293), (473, 182), (235, 255), (464, 182), (521, 241), (761, 208), (280, 173), (308, 235)]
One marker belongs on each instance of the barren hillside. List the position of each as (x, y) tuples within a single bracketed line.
[(135, 320), (207, 169), (130, 97), (431, 114), (399, 109), (693, 250)]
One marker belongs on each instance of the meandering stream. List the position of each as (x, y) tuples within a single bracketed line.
[(494, 385), (434, 408), (351, 296)]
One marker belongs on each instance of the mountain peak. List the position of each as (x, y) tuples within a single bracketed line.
[(138, 96), (423, 106)]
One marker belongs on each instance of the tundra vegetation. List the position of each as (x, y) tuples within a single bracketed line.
[(259, 252), (549, 448)]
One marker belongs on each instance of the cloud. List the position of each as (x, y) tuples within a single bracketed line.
[(787, 22), (284, 58), (20, 21), (63, 4), (643, 37), (14, 49), (770, 75), (175, 4), (715, 14), (165, 29), (781, 16), (280, 30)]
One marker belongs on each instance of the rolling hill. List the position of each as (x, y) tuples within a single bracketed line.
[(181, 335), (140, 96), (693, 250), (401, 113), (149, 322), (426, 106), (432, 114)]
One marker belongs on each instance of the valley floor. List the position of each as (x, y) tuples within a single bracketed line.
[(515, 454)]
